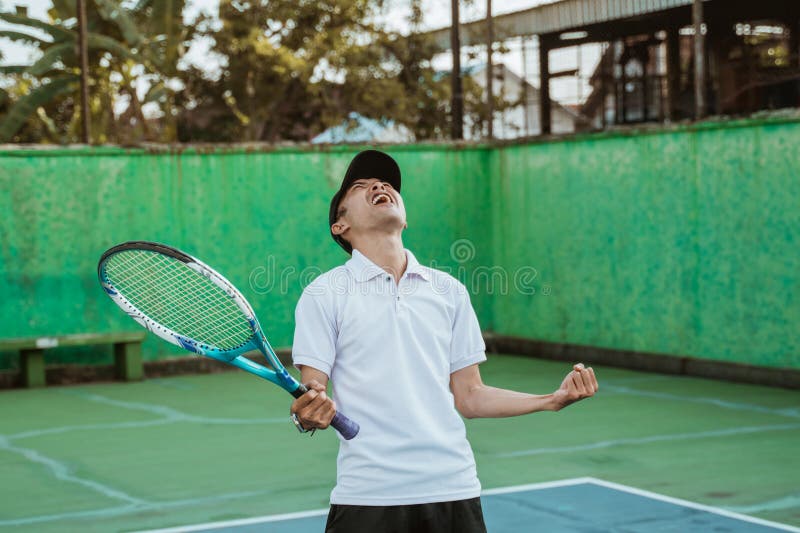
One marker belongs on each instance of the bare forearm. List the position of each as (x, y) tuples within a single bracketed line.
[(483, 401), (476, 400)]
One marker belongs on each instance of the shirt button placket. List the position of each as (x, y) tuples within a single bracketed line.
[(397, 307), (392, 289)]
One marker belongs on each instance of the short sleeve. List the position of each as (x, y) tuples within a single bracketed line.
[(466, 346), (315, 332)]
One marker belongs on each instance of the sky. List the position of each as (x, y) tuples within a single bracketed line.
[(395, 16)]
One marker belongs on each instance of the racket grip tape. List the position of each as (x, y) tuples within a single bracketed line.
[(346, 427)]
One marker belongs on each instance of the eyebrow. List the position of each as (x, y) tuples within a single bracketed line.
[(361, 181)]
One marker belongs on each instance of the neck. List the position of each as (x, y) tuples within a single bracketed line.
[(386, 252)]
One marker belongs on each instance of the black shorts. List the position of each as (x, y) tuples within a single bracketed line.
[(461, 516)]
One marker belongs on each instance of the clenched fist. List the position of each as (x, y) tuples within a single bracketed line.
[(578, 385)]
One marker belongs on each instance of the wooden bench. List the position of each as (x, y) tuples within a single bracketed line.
[(127, 353)]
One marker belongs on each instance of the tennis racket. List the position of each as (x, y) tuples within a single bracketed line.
[(189, 304)]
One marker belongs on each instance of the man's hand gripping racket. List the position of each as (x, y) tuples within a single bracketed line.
[(187, 303)]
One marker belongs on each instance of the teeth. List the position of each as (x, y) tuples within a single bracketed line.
[(378, 197)]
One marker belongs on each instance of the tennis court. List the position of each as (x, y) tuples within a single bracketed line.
[(217, 452), (613, 184)]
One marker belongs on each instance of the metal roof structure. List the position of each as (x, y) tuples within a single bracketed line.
[(678, 85), (560, 16), (360, 129)]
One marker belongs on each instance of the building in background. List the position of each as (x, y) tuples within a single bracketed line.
[(521, 117), (751, 66), (360, 129), (647, 68)]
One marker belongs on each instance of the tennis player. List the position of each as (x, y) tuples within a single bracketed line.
[(401, 345)]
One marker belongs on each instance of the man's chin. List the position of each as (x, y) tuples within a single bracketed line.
[(390, 221), (388, 214)]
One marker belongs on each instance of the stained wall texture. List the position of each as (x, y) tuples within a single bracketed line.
[(681, 241), (684, 241), (260, 217)]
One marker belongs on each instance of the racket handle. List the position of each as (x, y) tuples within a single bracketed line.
[(346, 427)]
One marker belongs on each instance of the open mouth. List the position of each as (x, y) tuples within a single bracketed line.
[(381, 198)]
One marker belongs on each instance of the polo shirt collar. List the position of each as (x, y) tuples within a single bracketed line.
[(413, 266), (364, 270)]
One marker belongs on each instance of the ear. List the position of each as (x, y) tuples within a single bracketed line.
[(340, 227)]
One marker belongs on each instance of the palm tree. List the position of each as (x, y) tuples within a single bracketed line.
[(128, 46)]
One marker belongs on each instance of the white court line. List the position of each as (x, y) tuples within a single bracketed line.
[(106, 512), (693, 505), (779, 504), (241, 522), (145, 506), (155, 409), (322, 512), (147, 423), (792, 412), (63, 472), (170, 413), (646, 440), (165, 414), (84, 427), (537, 486), (497, 491)]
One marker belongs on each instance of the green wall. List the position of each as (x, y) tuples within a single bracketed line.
[(681, 241), (260, 217)]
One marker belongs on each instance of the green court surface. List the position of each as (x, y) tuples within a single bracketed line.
[(215, 448)]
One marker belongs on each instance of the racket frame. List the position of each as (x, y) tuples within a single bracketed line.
[(235, 356)]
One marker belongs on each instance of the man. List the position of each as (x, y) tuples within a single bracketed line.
[(401, 345)]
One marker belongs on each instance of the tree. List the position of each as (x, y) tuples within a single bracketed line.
[(129, 48), (277, 58), (289, 69)]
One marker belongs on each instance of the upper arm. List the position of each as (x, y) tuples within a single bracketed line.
[(308, 373), (466, 344), (315, 331), (462, 383)]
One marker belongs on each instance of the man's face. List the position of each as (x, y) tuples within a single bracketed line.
[(372, 204)]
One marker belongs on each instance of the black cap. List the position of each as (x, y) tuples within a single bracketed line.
[(365, 165)]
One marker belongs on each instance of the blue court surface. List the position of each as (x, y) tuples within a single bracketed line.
[(582, 505)]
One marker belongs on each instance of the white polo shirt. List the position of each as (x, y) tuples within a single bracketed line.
[(389, 350)]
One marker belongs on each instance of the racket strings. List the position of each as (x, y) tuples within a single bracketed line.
[(197, 309), (188, 307), (211, 308), (175, 296)]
